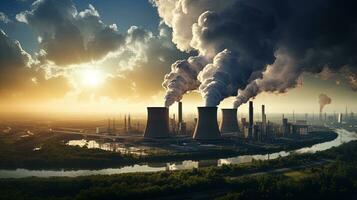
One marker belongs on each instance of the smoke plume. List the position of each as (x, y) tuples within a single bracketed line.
[(182, 78), (252, 46), (323, 101)]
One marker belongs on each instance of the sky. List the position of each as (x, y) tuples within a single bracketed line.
[(92, 56)]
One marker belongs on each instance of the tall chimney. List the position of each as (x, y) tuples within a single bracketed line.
[(157, 125), (207, 126), (229, 122), (179, 112), (113, 124), (129, 123), (251, 123), (264, 121)]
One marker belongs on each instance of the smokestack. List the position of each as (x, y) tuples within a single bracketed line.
[(264, 121), (179, 112), (129, 123), (157, 125), (207, 126), (125, 126), (263, 114), (108, 125), (251, 123), (113, 124), (229, 122)]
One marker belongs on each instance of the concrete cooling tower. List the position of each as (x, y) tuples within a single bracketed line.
[(157, 125), (229, 122), (207, 126)]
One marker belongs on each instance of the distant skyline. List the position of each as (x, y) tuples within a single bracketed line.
[(96, 56)]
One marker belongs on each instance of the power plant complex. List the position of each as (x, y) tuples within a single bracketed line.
[(206, 125)]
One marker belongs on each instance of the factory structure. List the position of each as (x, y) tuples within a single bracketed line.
[(206, 126), (229, 123), (157, 125), (160, 125)]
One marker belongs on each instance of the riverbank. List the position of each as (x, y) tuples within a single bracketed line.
[(335, 179), (48, 151)]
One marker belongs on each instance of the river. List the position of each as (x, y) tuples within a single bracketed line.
[(344, 136)]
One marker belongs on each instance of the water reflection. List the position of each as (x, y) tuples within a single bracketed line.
[(343, 137), (109, 146)]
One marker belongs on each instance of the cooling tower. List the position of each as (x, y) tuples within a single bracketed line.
[(229, 122), (157, 125), (207, 126)]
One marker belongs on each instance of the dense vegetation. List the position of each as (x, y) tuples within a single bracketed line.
[(17, 152), (336, 180)]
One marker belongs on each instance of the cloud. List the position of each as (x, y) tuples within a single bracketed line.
[(4, 18), (140, 63), (70, 39), (68, 36), (19, 78)]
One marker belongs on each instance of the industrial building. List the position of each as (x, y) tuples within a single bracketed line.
[(251, 120), (181, 124), (300, 127), (229, 123), (207, 126), (157, 125)]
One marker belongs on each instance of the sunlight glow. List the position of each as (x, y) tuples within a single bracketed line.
[(91, 77)]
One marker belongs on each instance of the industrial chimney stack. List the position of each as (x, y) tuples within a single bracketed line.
[(157, 125), (179, 112), (229, 122), (251, 117), (264, 122), (207, 126)]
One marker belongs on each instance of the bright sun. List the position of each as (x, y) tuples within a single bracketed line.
[(91, 77)]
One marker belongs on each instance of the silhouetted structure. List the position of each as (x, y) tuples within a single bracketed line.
[(125, 125), (207, 126), (181, 124), (251, 122), (264, 123), (179, 112), (157, 125), (285, 127), (129, 123), (229, 123)]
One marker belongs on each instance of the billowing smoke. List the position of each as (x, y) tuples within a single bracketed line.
[(182, 78), (323, 101), (252, 46)]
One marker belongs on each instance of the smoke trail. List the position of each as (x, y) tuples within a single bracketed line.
[(253, 46), (278, 77), (323, 101), (182, 78)]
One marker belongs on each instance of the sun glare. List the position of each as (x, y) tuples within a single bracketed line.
[(91, 77)]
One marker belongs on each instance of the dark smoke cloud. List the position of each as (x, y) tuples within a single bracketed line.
[(323, 101), (272, 43)]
